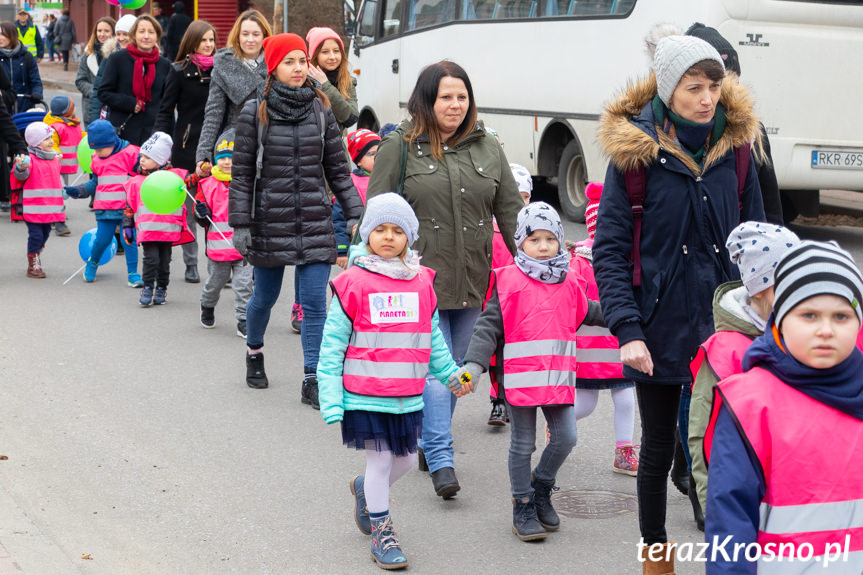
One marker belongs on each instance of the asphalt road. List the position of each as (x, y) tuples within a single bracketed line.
[(132, 439)]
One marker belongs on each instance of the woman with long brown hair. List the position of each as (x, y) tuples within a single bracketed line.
[(238, 71), (329, 67), (133, 81), (281, 214), (89, 65), (456, 178), (186, 91)]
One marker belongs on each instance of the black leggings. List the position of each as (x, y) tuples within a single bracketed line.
[(658, 405)]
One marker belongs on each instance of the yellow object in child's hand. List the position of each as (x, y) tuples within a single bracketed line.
[(465, 377)]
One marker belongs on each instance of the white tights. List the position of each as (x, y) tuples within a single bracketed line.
[(382, 470), (624, 410)]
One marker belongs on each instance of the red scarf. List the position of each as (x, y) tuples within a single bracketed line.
[(142, 84)]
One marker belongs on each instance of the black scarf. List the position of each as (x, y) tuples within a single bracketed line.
[(333, 76), (97, 50), (290, 104)]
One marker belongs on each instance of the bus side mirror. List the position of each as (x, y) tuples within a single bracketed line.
[(350, 28)]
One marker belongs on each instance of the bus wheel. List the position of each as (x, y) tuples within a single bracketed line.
[(571, 181)]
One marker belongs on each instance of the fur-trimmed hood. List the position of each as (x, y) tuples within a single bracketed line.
[(629, 138), (109, 46)]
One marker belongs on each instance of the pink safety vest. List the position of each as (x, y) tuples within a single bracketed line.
[(113, 172), (812, 473), (598, 350), (539, 325), (361, 183), (153, 227), (215, 194), (500, 256), (390, 346), (69, 137), (42, 192), (722, 353)]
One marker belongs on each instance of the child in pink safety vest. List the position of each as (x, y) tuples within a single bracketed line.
[(599, 364), (42, 193), (362, 147), (501, 257), (785, 440), (740, 313), (223, 261), (530, 319), (380, 340), (67, 126), (157, 233), (114, 162)]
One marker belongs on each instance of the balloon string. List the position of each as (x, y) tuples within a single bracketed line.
[(74, 274), (209, 219), (77, 178)]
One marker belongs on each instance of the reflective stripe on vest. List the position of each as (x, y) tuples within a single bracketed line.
[(539, 324), (598, 350), (28, 38), (112, 173), (386, 357), (42, 195), (215, 195), (69, 137), (813, 490), (153, 227)]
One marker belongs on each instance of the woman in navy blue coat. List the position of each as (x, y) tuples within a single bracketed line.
[(680, 128), (20, 66)]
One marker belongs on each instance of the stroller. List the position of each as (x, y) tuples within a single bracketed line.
[(36, 113)]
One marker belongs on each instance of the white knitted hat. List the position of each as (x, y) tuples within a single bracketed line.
[(36, 133), (674, 56), (158, 148), (125, 23), (522, 179)]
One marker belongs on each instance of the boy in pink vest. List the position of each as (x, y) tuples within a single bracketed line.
[(42, 193), (380, 340), (67, 125), (113, 163), (786, 455), (211, 213), (157, 233), (529, 321)]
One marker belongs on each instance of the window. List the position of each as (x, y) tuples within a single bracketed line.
[(425, 13), (391, 23), (500, 9), (367, 19), (553, 8)]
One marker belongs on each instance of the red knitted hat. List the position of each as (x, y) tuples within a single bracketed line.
[(360, 142), (278, 46), (593, 192)]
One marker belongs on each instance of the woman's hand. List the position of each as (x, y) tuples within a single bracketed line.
[(317, 73), (636, 355), (202, 169), (139, 106)]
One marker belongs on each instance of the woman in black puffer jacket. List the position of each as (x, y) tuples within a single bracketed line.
[(286, 218)]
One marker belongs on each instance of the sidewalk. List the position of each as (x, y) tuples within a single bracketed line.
[(54, 77)]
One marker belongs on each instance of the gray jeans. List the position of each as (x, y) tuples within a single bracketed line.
[(561, 425), (218, 275)]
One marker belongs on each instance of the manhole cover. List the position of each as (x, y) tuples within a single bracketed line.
[(594, 504)]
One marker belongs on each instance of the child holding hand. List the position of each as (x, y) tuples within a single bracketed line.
[(42, 193), (381, 338), (786, 454), (529, 321)]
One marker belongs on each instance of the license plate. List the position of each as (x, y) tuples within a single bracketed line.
[(828, 159)]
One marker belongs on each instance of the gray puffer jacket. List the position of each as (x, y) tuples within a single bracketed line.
[(292, 222)]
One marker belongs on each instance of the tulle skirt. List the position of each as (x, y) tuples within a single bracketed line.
[(382, 431)]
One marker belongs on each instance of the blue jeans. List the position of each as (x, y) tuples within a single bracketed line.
[(683, 423), (104, 232), (439, 404), (313, 297), (522, 444)]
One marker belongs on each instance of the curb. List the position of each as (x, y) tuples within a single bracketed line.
[(59, 85)]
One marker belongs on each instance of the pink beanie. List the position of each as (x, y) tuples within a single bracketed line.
[(316, 36), (593, 192)]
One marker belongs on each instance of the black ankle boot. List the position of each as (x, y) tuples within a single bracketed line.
[(309, 393), (679, 475), (525, 524), (542, 501), (256, 377), (696, 505)]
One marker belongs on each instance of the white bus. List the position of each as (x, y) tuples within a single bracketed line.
[(542, 69)]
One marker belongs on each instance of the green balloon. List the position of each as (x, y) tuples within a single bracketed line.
[(163, 192), (85, 155), (133, 5)]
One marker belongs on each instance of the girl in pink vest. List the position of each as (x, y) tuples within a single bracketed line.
[(42, 194), (223, 261), (598, 363), (529, 322), (380, 340), (786, 455), (113, 163), (157, 233), (66, 124)]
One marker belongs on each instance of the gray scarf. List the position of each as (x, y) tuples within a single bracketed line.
[(540, 216), (290, 104)]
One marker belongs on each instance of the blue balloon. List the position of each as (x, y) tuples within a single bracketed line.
[(85, 247)]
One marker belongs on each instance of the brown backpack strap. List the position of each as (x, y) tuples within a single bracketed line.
[(636, 190)]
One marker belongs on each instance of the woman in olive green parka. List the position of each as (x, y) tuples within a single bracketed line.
[(456, 179)]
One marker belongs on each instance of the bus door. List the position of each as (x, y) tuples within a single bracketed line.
[(376, 54)]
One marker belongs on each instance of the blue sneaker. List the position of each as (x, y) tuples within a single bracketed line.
[(90, 270), (386, 551), (161, 294), (361, 512), (146, 296), (135, 280)]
